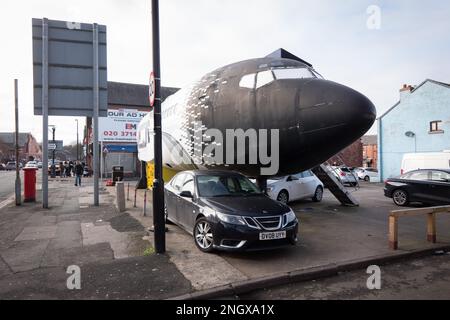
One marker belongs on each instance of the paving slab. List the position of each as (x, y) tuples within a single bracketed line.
[(25, 255), (37, 233)]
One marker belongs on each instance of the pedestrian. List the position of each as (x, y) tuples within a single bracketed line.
[(62, 169), (78, 170), (67, 167)]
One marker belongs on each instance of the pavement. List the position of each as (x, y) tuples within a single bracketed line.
[(116, 260), (115, 250)]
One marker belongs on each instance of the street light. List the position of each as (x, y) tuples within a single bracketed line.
[(411, 134), (77, 141)]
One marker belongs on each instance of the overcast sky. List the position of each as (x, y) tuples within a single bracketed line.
[(197, 36)]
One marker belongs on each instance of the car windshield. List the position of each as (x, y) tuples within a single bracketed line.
[(221, 186)]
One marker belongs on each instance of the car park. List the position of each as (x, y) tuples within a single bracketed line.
[(368, 174), (429, 186), (304, 185), (224, 210)]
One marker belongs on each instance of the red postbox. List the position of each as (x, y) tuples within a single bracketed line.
[(29, 184)]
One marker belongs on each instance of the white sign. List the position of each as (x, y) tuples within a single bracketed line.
[(120, 125), (152, 89)]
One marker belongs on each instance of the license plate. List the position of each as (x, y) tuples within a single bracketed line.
[(272, 235)]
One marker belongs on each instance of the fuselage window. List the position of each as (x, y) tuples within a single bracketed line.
[(247, 81), (263, 78), (293, 73)]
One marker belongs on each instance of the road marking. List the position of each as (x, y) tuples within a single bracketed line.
[(8, 201)]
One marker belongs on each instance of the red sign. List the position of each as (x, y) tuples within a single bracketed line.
[(152, 89)]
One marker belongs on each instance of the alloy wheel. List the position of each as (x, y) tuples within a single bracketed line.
[(203, 235), (400, 197)]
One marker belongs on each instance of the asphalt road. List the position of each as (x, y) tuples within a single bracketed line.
[(7, 182), (427, 278)]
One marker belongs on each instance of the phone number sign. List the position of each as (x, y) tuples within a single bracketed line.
[(120, 125)]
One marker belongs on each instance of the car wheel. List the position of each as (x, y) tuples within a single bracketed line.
[(367, 178), (203, 235), (318, 195), (400, 197), (283, 197)]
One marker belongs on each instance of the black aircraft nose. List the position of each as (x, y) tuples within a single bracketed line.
[(332, 116), (327, 105)]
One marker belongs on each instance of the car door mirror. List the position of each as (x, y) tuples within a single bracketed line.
[(186, 194), (292, 178)]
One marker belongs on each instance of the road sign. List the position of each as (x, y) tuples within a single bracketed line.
[(56, 145), (70, 71), (152, 89)]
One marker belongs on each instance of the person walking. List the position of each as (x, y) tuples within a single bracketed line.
[(78, 170), (62, 169)]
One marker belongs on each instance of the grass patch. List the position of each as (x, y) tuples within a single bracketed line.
[(149, 251)]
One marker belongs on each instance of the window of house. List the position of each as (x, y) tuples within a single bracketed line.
[(435, 126)]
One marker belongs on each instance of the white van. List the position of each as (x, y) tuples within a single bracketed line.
[(430, 160)]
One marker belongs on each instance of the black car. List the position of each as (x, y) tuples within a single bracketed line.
[(226, 211), (429, 186)]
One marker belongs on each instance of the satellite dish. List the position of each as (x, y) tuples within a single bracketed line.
[(410, 134)]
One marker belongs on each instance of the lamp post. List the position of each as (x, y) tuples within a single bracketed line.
[(53, 172), (78, 153), (411, 134)]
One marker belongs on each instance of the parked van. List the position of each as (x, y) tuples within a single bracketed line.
[(430, 160)]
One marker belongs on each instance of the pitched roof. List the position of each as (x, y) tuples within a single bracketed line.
[(129, 94), (446, 85), (369, 139)]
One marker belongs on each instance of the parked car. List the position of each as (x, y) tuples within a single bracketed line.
[(2, 167), (368, 174), (345, 175), (57, 167), (11, 165), (430, 186), (295, 187), (429, 160), (32, 164), (39, 164), (225, 210)]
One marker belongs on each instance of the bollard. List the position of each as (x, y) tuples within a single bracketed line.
[(120, 196), (145, 203), (128, 192), (134, 206)]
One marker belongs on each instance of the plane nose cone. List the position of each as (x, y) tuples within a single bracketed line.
[(330, 105)]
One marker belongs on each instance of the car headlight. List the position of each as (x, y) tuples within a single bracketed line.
[(269, 189), (231, 219), (289, 217)]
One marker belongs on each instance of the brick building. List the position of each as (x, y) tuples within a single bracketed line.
[(370, 151), (352, 156), (28, 147)]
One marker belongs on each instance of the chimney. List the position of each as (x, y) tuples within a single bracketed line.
[(405, 91)]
